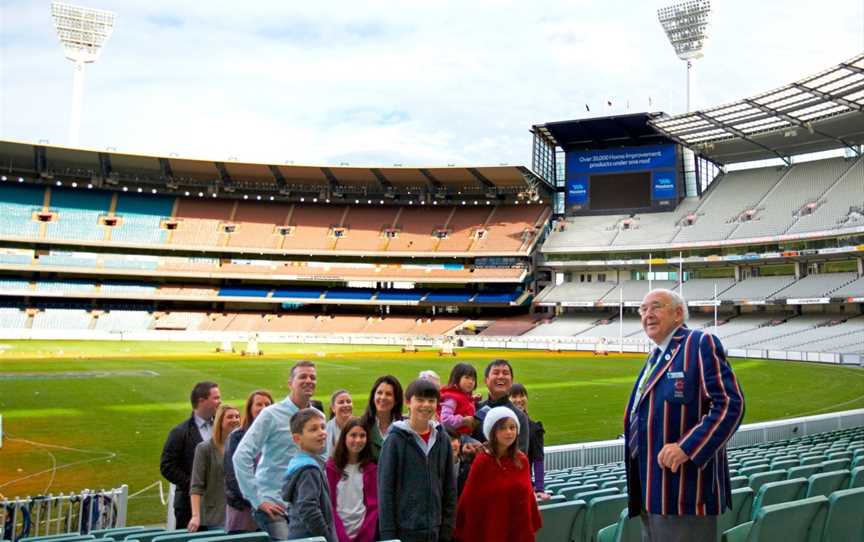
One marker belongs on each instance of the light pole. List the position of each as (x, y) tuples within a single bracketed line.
[(686, 26), (83, 32)]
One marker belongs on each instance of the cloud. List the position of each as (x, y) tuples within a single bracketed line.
[(373, 82)]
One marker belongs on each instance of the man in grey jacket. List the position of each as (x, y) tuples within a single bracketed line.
[(416, 481)]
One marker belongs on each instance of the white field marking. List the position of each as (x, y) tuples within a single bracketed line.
[(54, 468)]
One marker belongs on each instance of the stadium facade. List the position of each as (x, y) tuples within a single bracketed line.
[(104, 244)]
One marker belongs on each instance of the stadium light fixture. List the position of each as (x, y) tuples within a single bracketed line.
[(83, 33), (686, 26)]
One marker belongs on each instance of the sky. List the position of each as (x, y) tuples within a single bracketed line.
[(374, 82)]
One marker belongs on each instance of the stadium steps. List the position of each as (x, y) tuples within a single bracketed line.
[(824, 194), (761, 203)]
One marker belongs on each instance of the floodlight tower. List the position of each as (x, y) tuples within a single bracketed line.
[(686, 26), (83, 32)]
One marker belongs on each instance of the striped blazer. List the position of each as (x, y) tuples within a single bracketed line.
[(693, 398)]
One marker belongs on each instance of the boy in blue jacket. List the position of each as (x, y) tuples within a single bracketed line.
[(305, 490)]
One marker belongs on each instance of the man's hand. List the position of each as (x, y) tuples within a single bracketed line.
[(272, 509), (470, 449), (671, 457)]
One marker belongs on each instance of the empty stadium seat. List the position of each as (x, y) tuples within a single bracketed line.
[(740, 512), (562, 522), (798, 521), (757, 480), (590, 495), (827, 482), (845, 517), (626, 530), (777, 492), (601, 512), (856, 479)]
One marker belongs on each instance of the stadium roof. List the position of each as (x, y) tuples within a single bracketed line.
[(31, 159), (600, 132), (822, 112)]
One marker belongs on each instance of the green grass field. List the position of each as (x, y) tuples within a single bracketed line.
[(67, 432)]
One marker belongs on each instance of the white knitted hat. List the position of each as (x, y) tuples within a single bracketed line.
[(493, 416)]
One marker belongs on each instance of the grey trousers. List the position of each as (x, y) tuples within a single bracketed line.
[(657, 528)]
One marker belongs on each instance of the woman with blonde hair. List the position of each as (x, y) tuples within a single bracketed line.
[(238, 511), (207, 490)]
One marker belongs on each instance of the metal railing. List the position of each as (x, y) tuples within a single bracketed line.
[(45, 515)]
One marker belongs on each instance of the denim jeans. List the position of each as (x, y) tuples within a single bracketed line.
[(277, 528)]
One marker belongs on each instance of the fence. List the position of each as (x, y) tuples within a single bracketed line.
[(612, 451), (46, 515)]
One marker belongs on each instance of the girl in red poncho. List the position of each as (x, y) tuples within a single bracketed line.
[(456, 408), (498, 500)]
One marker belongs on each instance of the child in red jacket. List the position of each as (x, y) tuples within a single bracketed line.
[(498, 497), (456, 409)]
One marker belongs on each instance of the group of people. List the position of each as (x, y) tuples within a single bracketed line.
[(427, 462), (456, 467)]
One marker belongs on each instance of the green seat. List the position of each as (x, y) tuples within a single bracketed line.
[(620, 485), (184, 536), (742, 504), (555, 498), (626, 530), (844, 454), (845, 519), (149, 536), (310, 539), (561, 522), (259, 536), (826, 483), (797, 521), (835, 464), (568, 491), (65, 537), (777, 492), (738, 482), (117, 533), (556, 488), (804, 471), (754, 469), (856, 479), (154, 531), (784, 464), (759, 479), (602, 511), (589, 496), (812, 460), (858, 462)]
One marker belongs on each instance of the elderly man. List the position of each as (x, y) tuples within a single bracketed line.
[(268, 442), (684, 408)]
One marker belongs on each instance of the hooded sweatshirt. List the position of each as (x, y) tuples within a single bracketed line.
[(416, 485), (308, 499)]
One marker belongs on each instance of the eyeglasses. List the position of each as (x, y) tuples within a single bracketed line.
[(651, 307)]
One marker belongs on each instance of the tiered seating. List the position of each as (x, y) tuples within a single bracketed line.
[(576, 292), (653, 228), (703, 289), (825, 337), (364, 227), (737, 325), (565, 326), (802, 184), (15, 286), (834, 206), (199, 221), (127, 288), (23, 258), (462, 227), (510, 327), (635, 290), (256, 225), (852, 289), (63, 287), (63, 319), (730, 196), (757, 288), (816, 285), (140, 219), (769, 333), (78, 213), (117, 321), (511, 227), (17, 205), (177, 320), (69, 259), (415, 229), (312, 227), (12, 318), (583, 231)]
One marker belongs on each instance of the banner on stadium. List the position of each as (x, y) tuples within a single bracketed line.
[(704, 303), (809, 301), (577, 303), (663, 185), (577, 191), (620, 160)]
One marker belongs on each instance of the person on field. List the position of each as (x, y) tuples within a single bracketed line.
[(238, 511), (266, 449), (178, 453), (207, 489), (685, 406)]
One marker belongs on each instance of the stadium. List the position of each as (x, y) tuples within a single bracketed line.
[(125, 278)]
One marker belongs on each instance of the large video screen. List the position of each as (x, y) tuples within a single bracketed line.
[(620, 179)]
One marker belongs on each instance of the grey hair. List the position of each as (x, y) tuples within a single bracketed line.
[(676, 300)]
